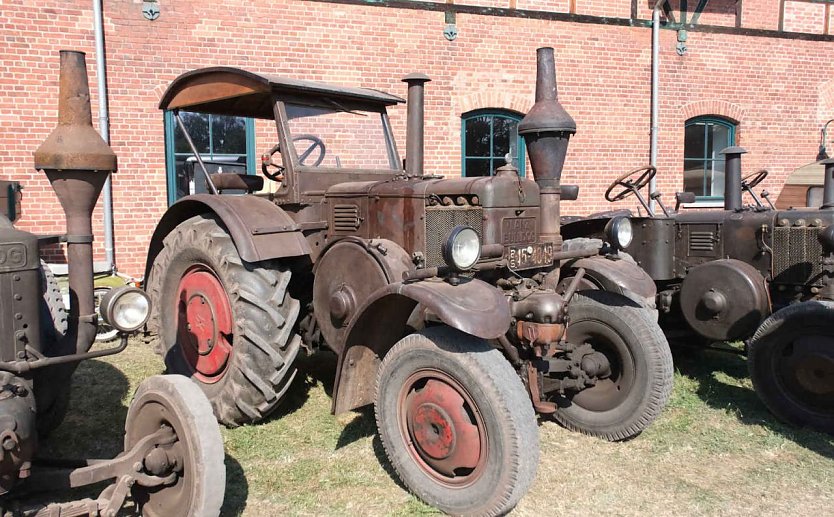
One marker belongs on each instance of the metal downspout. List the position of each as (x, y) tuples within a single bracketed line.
[(654, 100), (104, 130)]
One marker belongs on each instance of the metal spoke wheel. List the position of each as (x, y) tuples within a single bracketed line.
[(638, 378), (196, 455), (791, 361), (456, 422)]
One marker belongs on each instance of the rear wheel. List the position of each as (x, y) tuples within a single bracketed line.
[(456, 422), (226, 323), (791, 361), (637, 386)]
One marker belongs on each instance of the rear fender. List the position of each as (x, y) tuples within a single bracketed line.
[(619, 276), (474, 307), (260, 229)]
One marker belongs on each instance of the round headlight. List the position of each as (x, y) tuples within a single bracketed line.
[(619, 232), (125, 308), (462, 248), (826, 238)]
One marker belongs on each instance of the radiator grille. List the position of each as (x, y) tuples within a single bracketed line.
[(440, 221), (702, 241), (797, 256), (345, 218)]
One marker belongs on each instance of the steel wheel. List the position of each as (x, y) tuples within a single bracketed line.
[(443, 428), (791, 360), (104, 332), (204, 323), (456, 422), (610, 392), (196, 456)]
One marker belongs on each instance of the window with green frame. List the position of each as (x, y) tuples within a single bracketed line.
[(703, 167), (225, 143), (488, 138)]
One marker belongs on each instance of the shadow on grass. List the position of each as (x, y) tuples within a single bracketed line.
[(319, 368), (360, 427), (702, 365), (379, 452), (237, 489)]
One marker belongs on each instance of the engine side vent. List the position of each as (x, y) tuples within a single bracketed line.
[(702, 241), (346, 218), (797, 256), (440, 221)]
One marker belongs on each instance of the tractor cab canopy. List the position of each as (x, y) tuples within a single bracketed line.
[(232, 91)]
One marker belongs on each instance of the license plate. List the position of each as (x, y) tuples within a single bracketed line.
[(530, 255)]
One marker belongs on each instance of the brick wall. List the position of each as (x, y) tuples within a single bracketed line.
[(777, 89)]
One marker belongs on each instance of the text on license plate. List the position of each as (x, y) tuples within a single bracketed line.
[(531, 255)]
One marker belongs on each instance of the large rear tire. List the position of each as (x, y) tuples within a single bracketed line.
[(791, 361), (456, 422), (226, 323), (623, 404)]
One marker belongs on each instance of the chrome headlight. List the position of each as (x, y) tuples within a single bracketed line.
[(619, 232), (826, 238), (125, 308), (462, 248)]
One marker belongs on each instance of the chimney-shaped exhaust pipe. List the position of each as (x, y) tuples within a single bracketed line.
[(414, 143), (77, 162), (732, 177), (828, 185), (547, 128)]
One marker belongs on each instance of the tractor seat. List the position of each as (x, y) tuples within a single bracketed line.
[(231, 181)]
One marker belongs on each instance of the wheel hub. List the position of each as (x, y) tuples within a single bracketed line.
[(447, 442), (814, 369), (205, 323)]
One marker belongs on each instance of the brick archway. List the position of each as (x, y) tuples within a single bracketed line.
[(492, 99), (718, 107)]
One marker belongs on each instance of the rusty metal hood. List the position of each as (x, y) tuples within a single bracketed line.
[(492, 192)]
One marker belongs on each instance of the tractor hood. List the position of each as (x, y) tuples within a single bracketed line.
[(501, 191)]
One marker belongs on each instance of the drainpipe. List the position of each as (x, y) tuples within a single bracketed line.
[(104, 130), (655, 85)]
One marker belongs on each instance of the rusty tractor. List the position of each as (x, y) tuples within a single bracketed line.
[(441, 297), (747, 272), (172, 463)]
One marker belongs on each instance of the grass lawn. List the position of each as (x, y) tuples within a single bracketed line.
[(715, 450)]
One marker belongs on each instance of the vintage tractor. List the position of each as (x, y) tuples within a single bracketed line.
[(438, 295), (172, 462), (747, 272)]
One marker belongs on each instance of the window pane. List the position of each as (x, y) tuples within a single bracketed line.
[(715, 177), (693, 146), (693, 177), (197, 126), (229, 134), (477, 136), (720, 137), (477, 167), (503, 130)]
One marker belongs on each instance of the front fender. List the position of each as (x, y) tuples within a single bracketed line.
[(619, 276), (473, 307)]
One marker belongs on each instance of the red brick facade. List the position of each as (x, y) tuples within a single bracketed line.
[(778, 87)]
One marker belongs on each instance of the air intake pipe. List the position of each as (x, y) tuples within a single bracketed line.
[(828, 185), (732, 177), (415, 105), (77, 162), (547, 129)]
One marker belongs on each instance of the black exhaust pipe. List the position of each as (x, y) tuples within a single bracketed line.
[(828, 185), (547, 128), (414, 143), (732, 177)]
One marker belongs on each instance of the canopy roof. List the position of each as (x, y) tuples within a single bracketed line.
[(810, 174), (225, 90)]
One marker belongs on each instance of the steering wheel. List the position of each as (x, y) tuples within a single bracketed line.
[(647, 173), (307, 152), (266, 163), (753, 179)]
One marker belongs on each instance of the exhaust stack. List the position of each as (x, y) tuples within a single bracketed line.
[(77, 162), (828, 185), (415, 105), (732, 177), (547, 129)]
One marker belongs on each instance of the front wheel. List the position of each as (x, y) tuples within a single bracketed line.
[(791, 361), (638, 382), (456, 422)]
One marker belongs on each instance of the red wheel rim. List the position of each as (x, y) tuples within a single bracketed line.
[(442, 427), (204, 323)]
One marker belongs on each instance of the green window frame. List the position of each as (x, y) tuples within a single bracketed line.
[(171, 153), (704, 138), (484, 134)]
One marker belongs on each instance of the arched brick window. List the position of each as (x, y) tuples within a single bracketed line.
[(488, 136), (703, 166)]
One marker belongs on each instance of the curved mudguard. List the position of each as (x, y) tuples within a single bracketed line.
[(473, 306), (260, 229), (620, 276)]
